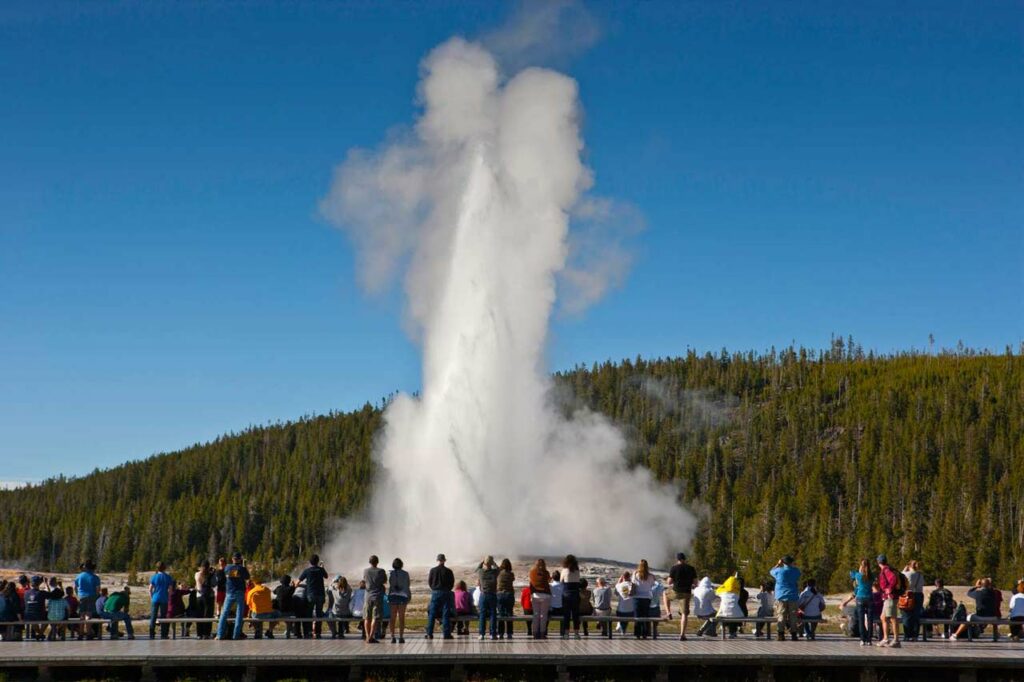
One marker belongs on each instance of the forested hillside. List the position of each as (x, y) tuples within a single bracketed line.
[(830, 456)]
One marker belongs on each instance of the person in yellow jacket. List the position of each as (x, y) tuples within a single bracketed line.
[(729, 602), (260, 601)]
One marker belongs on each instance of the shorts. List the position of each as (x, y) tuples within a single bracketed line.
[(682, 602), (397, 599), (373, 607), (890, 608), (220, 597)]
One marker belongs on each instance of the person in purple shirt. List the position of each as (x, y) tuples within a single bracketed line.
[(159, 592)]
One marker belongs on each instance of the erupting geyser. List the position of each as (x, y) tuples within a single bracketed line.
[(474, 207)]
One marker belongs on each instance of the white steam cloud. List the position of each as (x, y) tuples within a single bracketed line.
[(473, 208)]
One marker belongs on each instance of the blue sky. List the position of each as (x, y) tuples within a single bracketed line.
[(803, 169)]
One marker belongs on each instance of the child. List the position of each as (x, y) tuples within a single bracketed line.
[(463, 607), (56, 610), (765, 599)]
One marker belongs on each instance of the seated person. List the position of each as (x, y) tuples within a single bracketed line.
[(260, 602)]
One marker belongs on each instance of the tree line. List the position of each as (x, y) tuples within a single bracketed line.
[(829, 455)]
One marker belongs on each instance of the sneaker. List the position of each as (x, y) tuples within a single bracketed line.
[(883, 643), (270, 635), (394, 641), (401, 640), (895, 645), (793, 636), (428, 636), (576, 636), (682, 638), (481, 638)]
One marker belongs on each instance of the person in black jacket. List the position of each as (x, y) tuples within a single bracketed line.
[(314, 578), (441, 581)]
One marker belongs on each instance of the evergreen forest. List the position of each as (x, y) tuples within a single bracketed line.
[(828, 455)]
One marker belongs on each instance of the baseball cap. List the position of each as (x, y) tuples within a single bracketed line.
[(882, 559)]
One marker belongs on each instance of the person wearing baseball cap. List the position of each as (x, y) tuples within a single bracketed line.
[(787, 596), (441, 581), (237, 577)]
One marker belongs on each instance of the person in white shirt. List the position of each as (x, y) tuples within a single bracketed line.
[(729, 602), (625, 606), (557, 591), (704, 605), (765, 599), (643, 592), (1017, 613), (811, 603)]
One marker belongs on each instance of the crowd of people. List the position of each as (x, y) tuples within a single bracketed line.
[(229, 595)]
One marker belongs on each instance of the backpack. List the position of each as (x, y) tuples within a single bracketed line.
[(901, 585)]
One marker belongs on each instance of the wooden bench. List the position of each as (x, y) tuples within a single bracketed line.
[(609, 620), (926, 624), (768, 621), (96, 622)]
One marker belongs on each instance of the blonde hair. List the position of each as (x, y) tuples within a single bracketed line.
[(642, 571)]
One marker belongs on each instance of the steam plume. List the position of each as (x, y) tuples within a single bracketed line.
[(474, 208)]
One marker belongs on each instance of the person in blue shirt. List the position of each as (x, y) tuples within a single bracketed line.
[(787, 596), (862, 579), (236, 575), (87, 584), (159, 587)]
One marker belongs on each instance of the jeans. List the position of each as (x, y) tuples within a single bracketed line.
[(643, 610), (317, 603), (238, 602), (206, 604), (116, 617), (158, 610), (506, 602), (440, 600), (863, 618), (541, 606), (489, 611), (571, 611)]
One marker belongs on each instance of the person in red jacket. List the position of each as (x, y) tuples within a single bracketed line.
[(889, 583)]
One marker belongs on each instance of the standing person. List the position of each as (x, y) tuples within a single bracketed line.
[(540, 597), (399, 595), (87, 584), (12, 612), (889, 584), (862, 579), (506, 598), (236, 576), (220, 582), (812, 604), (117, 609), (682, 578), (339, 600), (207, 589), (941, 605), (159, 589), (302, 611), (626, 607), (376, 579), (315, 577), (643, 584), (787, 595), (1017, 612), (603, 603), (441, 581), (571, 595), (915, 587), (487, 579)]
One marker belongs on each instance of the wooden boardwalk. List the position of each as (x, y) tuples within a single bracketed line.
[(827, 651)]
